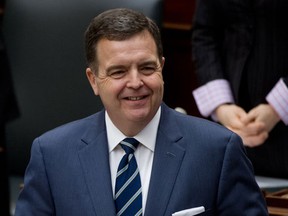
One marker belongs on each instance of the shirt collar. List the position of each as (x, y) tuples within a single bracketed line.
[(146, 137)]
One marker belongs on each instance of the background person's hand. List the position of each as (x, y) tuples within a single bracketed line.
[(235, 118), (264, 113)]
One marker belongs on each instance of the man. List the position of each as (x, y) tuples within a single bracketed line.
[(184, 163)]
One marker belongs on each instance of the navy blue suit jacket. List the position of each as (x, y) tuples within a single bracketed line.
[(196, 163)]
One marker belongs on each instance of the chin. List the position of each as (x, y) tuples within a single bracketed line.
[(138, 116)]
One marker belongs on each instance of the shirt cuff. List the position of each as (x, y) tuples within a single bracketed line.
[(209, 96), (278, 99)]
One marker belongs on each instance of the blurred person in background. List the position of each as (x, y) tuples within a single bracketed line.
[(240, 50)]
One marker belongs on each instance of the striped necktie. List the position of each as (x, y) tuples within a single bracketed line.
[(128, 192)]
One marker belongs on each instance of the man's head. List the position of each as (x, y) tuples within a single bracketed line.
[(118, 24), (125, 67)]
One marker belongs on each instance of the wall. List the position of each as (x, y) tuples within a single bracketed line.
[(45, 47), (179, 76)]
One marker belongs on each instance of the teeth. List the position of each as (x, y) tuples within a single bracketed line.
[(134, 98)]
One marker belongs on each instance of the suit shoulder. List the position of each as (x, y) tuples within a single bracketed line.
[(74, 129), (199, 123), (204, 131)]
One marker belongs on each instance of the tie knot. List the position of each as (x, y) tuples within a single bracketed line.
[(129, 145)]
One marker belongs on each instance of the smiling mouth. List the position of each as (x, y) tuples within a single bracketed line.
[(135, 98)]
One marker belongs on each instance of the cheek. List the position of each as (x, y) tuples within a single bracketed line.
[(160, 86), (157, 82), (110, 88)]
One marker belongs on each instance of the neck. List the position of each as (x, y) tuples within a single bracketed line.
[(131, 129)]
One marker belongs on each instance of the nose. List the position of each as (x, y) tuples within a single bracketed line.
[(134, 79)]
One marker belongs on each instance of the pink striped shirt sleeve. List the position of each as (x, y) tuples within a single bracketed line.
[(209, 96), (278, 99)]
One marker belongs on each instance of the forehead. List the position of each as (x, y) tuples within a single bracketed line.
[(137, 46), (143, 38)]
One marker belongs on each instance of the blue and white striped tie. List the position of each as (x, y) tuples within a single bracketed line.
[(128, 192)]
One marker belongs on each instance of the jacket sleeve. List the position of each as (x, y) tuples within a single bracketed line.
[(234, 183), (220, 36), (35, 198), (206, 38), (278, 99)]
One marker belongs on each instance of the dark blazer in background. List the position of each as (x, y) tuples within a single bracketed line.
[(69, 171), (245, 42)]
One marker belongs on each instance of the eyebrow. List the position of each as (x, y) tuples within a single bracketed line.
[(120, 66), (149, 62), (115, 67)]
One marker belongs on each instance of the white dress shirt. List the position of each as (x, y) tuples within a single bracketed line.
[(143, 154)]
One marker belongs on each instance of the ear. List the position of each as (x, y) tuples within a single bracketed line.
[(162, 62), (162, 66), (92, 79)]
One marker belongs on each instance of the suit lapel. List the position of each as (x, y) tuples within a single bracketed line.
[(168, 158), (94, 159)]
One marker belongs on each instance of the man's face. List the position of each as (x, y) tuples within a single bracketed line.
[(129, 79)]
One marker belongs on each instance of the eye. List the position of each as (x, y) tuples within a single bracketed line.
[(147, 70), (117, 74)]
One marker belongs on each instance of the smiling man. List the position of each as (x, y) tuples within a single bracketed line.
[(129, 80), (136, 156)]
